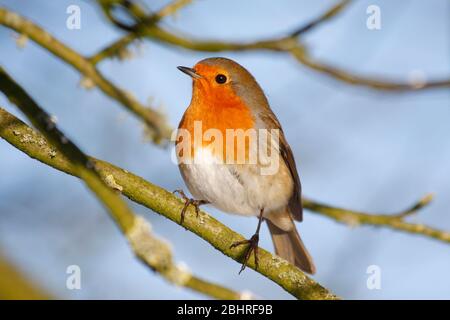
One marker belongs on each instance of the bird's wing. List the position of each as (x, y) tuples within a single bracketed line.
[(295, 202)]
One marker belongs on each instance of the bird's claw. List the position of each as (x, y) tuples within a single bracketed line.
[(252, 247), (189, 201)]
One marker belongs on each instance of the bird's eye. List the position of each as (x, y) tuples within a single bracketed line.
[(220, 78)]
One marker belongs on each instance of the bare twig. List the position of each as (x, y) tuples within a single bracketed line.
[(173, 7), (116, 47), (330, 13), (300, 54), (392, 221), (153, 252)]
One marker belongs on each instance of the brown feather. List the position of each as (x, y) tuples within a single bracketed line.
[(295, 202), (290, 247)]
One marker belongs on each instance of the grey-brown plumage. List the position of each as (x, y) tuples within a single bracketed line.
[(289, 246)]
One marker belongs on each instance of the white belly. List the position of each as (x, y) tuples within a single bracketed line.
[(234, 188)]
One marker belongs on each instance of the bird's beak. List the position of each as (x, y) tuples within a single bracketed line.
[(190, 72)]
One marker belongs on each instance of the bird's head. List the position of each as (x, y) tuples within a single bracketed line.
[(221, 80)]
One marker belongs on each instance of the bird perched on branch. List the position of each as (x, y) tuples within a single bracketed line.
[(232, 154)]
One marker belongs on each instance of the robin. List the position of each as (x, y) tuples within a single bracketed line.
[(226, 98)]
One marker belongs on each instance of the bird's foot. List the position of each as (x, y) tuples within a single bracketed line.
[(189, 201), (252, 247)]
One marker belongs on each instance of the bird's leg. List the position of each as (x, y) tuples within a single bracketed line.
[(252, 244), (189, 201)]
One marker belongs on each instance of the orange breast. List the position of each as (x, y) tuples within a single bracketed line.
[(218, 110)]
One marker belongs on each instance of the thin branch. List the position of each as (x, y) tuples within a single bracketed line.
[(173, 7), (330, 13), (118, 46), (165, 203), (115, 49), (392, 221), (156, 122), (84, 168), (289, 44), (300, 54), (152, 251), (425, 201)]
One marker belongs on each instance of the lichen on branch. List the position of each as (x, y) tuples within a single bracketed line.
[(165, 203)]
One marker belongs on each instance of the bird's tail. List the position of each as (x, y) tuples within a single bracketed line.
[(290, 247)]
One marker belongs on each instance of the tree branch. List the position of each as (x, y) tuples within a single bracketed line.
[(152, 251), (218, 235), (15, 286), (165, 203), (117, 47), (156, 122), (330, 13), (289, 44), (300, 54), (392, 221)]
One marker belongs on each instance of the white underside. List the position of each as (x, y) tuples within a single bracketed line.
[(237, 188)]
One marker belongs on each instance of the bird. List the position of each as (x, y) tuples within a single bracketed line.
[(227, 99)]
